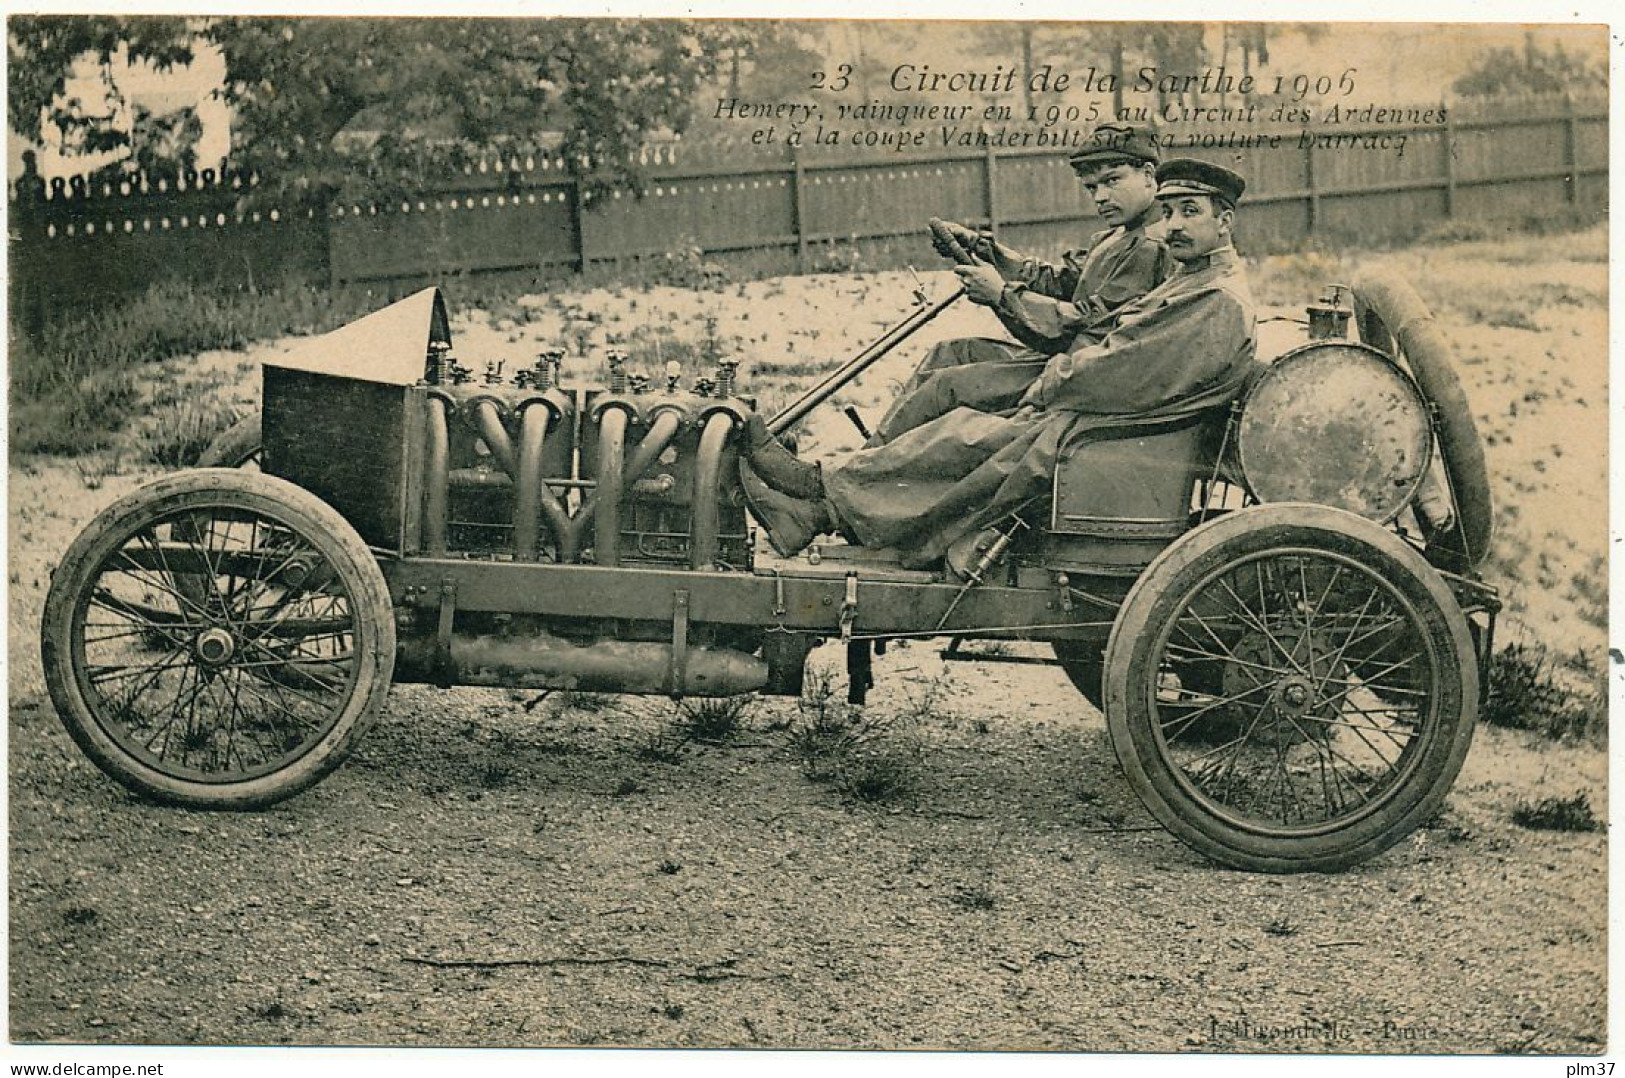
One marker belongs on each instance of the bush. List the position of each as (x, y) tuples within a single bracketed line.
[(1556, 814), (1524, 693), (713, 721), (857, 751)]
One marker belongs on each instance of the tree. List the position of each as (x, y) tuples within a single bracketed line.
[(366, 107), (1530, 70), (1173, 48), (163, 142)]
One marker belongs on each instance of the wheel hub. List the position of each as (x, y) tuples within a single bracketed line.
[(297, 571), (214, 647), (1294, 695), (1290, 696)]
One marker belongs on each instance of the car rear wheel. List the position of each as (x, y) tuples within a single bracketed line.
[(1337, 696)]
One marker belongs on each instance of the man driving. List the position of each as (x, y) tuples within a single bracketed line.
[(1183, 348), (1048, 308)]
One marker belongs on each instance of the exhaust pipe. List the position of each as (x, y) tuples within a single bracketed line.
[(495, 436), (661, 432), (611, 472), (703, 532), (436, 502)]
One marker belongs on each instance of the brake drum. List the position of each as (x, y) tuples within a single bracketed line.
[(1335, 423)]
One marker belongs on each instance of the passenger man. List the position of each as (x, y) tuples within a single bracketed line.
[(1049, 308), (1183, 348)]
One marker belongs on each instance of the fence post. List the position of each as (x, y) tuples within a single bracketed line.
[(1571, 147), (798, 209), (1447, 142), (990, 187), (27, 250), (578, 216), (1314, 188)]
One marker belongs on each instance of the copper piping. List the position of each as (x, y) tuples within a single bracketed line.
[(611, 471), (702, 542), (436, 501)]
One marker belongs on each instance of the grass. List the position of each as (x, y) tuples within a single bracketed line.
[(857, 751), (181, 432), (587, 702), (1556, 814), (714, 721), (878, 775), (975, 897), (658, 344), (495, 774), (77, 381), (662, 747), (1526, 693)]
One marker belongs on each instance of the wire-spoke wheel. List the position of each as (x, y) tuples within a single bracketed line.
[(219, 639), (1291, 688)]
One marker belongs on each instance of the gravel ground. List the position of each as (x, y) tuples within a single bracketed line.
[(489, 869)]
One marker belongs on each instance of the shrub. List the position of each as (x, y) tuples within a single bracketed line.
[(181, 432), (877, 774), (1524, 693), (1556, 814), (853, 749), (713, 721)]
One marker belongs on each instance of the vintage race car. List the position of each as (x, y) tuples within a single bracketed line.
[(1288, 655)]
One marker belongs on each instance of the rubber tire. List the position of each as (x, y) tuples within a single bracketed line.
[(1085, 666), (1159, 594), (1393, 318), (320, 525), (238, 446)]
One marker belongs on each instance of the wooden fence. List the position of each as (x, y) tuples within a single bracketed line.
[(766, 211)]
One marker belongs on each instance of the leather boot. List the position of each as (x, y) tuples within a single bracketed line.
[(791, 523), (777, 466)]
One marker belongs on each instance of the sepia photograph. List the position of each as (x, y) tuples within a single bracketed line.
[(896, 535)]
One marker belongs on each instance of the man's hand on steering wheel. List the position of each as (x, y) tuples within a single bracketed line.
[(982, 283), (954, 241)]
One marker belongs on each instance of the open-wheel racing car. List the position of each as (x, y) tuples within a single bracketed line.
[(1288, 653)]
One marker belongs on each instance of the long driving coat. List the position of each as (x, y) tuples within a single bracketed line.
[(1184, 347), (1049, 309)]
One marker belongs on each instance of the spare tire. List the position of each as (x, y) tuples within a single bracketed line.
[(1393, 318)]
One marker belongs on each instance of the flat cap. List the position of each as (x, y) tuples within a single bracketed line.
[(1111, 143), (1188, 176)]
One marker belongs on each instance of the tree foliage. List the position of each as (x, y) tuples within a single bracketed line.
[(358, 107), (1531, 70), (42, 52)]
